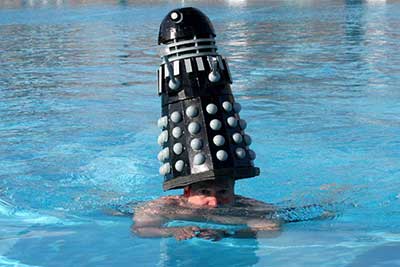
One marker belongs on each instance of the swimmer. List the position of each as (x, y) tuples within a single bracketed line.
[(204, 147), (209, 201)]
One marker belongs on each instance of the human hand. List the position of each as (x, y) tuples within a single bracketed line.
[(203, 201), (264, 225), (187, 232), (212, 234)]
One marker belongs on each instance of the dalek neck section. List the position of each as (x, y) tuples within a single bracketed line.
[(195, 47)]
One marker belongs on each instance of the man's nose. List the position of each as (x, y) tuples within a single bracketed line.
[(212, 201)]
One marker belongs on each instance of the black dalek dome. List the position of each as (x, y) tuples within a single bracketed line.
[(203, 137), (184, 23)]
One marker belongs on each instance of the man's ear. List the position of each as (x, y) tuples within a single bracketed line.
[(186, 191)]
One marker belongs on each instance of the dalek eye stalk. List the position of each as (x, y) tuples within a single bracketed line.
[(203, 137)]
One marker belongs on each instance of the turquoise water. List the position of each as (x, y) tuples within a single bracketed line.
[(319, 86)]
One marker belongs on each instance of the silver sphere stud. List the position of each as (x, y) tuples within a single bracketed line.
[(232, 121), (247, 140), (240, 153), (192, 111), (219, 140), (215, 124), (179, 165), (177, 148), (252, 154), (199, 159), (177, 132), (211, 109), (165, 169), (162, 122), (162, 138), (174, 84), (242, 124), (176, 116), (222, 155), (227, 106), (237, 107), (214, 76), (160, 156), (194, 127), (163, 155), (196, 144), (237, 138)]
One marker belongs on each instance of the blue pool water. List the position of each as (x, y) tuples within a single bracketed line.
[(319, 85)]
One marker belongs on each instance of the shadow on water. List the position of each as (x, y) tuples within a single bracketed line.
[(230, 252)]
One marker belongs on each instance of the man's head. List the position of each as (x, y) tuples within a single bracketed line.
[(211, 193)]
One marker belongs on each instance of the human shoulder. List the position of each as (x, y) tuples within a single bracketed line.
[(156, 205), (159, 210), (253, 203)]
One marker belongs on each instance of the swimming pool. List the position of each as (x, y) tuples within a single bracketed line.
[(318, 82)]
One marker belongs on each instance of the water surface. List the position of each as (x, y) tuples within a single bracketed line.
[(318, 82)]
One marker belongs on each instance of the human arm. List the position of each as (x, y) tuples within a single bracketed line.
[(149, 221), (180, 233), (258, 228)]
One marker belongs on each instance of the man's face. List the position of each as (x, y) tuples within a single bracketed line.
[(212, 193)]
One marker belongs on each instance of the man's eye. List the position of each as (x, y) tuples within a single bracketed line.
[(205, 192)]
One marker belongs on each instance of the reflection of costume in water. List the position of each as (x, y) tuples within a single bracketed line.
[(303, 213), (202, 134)]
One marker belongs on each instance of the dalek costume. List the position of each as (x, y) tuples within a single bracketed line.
[(203, 137)]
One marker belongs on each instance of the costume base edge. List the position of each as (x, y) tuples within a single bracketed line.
[(239, 173)]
